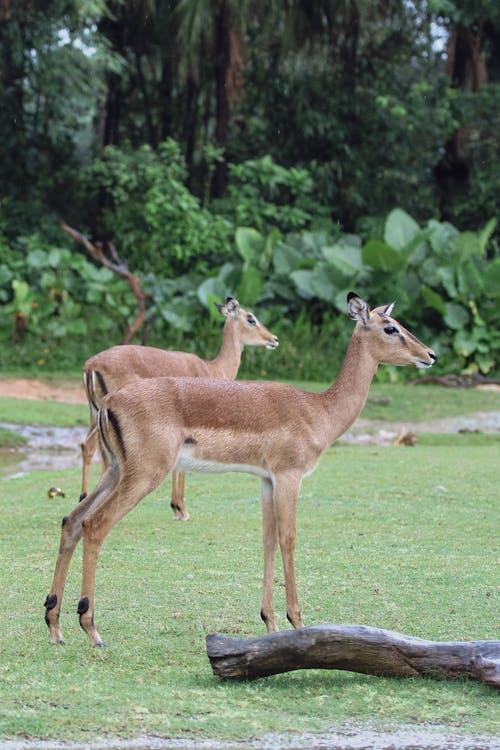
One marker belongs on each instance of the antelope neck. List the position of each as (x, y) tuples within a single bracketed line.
[(226, 364), (344, 400)]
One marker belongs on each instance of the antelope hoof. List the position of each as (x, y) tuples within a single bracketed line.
[(179, 514), (295, 622), (269, 622)]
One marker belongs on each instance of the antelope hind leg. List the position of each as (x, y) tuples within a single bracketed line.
[(270, 541), (286, 492), (71, 533)]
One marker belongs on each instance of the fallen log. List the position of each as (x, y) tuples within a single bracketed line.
[(355, 648)]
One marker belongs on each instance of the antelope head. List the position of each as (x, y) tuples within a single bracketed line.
[(390, 342), (251, 332)]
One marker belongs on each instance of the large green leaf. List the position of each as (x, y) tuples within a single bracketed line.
[(303, 281), (325, 282), (250, 285), (470, 281), (491, 279), (400, 229), (382, 257), (36, 258), (434, 300), (467, 245), (210, 291), (447, 278), (346, 257), (286, 258), (467, 342), (441, 236), (485, 234), (456, 316), (250, 244)]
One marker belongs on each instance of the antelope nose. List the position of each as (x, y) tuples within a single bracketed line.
[(432, 356)]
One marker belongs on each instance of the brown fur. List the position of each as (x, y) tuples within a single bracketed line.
[(272, 429)]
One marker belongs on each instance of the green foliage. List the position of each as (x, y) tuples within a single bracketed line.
[(55, 301), (142, 202), (478, 116), (52, 63), (444, 283), (266, 195), (59, 308)]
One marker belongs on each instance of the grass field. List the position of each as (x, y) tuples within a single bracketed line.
[(399, 538)]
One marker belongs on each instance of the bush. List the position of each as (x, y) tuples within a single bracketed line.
[(142, 203), (58, 307)]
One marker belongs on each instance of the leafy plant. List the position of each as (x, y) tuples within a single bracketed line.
[(142, 202), (267, 196), (59, 300)]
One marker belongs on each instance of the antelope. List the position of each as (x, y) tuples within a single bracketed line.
[(113, 368), (270, 429)]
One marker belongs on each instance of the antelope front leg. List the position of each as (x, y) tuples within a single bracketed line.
[(177, 502), (270, 540), (286, 491)]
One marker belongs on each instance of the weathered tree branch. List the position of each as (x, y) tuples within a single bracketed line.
[(356, 648), (118, 266)]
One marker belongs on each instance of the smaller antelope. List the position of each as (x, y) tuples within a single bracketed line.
[(113, 368), (269, 429)]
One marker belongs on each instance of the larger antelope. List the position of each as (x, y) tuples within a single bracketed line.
[(113, 368), (269, 429)]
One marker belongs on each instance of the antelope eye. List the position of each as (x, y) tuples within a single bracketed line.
[(251, 320), (390, 329)]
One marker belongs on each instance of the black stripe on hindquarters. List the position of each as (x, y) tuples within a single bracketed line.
[(115, 424)]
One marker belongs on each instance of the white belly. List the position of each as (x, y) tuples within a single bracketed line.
[(187, 462)]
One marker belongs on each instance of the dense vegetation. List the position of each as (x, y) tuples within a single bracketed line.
[(280, 152)]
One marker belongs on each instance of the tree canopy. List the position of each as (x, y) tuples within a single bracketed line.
[(385, 101), (176, 128)]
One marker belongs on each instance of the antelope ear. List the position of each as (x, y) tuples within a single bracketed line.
[(357, 308), (388, 310), (231, 307)]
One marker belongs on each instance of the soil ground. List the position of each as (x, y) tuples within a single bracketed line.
[(66, 391)]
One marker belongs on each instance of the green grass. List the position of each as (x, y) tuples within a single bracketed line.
[(24, 411), (11, 439), (399, 538)]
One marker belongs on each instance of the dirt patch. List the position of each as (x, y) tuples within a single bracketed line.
[(38, 390)]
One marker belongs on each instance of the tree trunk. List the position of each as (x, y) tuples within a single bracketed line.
[(229, 69), (356, 648), (467, 70), (112, 27)]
